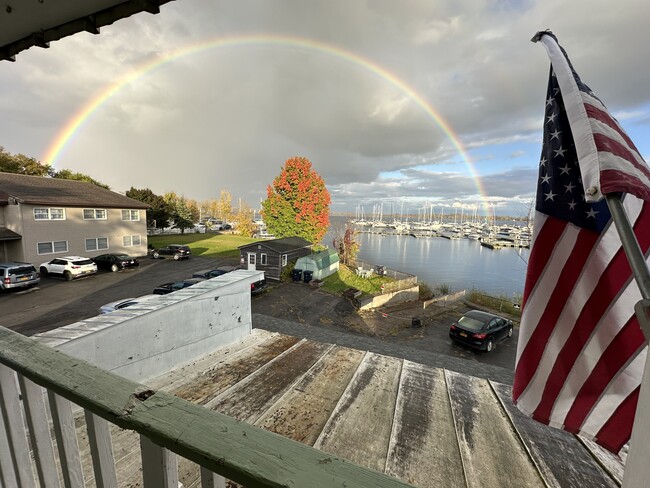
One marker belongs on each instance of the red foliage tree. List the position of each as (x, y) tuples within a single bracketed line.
[(297, 202)]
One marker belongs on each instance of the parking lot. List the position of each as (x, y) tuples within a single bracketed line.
[(56, 302)]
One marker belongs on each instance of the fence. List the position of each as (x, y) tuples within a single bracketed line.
[(402, 281)]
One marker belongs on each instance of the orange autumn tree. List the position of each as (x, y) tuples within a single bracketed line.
[(297, 203)]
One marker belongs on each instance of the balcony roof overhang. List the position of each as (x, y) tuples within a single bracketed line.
[(28, 23)]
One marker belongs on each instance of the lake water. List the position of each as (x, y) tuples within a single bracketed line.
[(458, 263)]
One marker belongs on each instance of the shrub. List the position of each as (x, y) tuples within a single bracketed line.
[(426, 293), (444, 289)]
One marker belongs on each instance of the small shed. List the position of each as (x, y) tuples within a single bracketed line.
[(273, 255), (321, 264)]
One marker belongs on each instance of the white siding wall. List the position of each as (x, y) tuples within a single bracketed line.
[(144, 341)]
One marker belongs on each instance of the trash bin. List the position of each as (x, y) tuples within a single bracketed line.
[(416, 322), (307, 275), (296, 274)]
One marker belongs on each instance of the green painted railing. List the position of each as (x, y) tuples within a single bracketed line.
[(221, 444)]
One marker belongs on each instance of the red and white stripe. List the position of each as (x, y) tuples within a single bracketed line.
[(578, 363)]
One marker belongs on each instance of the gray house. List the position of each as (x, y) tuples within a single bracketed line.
[(273, 255), (43, 218)]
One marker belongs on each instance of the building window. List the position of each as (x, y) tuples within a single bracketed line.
[(284, 260), (97, 244), (263, 259), (52, 247), (94, 214), (128, 241), (130, 215), (49, 214)]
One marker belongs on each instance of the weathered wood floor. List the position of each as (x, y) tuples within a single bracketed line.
[(430, 427)]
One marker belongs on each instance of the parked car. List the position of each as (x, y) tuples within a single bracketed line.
[(166, 288), (258, 286), (211, 273), (176, 250), (481, 330), (70, 267), (124, 303), (18, 275), (115, 262)]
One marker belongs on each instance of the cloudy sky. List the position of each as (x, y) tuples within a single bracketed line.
[(408, 103)]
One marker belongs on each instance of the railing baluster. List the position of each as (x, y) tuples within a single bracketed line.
[(39, 431), (211, 480), (66, 441), (159, 466), (15, 427), (101, 450), (7, 473)]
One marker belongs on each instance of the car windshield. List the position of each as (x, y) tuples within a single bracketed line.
[(81, 262), (470, 323), (22, 270)]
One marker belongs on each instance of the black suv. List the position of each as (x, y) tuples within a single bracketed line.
[(175, 250), (18, 275)]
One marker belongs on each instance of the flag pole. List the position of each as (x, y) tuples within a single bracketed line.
[(637, 471)]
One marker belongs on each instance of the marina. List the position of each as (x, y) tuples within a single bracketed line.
[(489, 258)]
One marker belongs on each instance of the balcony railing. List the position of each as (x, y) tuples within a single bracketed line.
[(34, 377)]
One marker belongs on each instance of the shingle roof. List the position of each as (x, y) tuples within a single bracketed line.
[(52, 191), (283, 244)]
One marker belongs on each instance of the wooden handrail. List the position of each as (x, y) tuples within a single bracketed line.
[(233, 449)]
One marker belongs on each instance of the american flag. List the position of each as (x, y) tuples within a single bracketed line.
[(581, 352)]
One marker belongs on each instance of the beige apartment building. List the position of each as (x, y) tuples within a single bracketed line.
[(43, 218)]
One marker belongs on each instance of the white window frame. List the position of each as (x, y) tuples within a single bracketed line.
[(98, 213), (96, 240), (47, 215), (263, 259), (128, 241), (131, 215), (52, 243), (284, 260)]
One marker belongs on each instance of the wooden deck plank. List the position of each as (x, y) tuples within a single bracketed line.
[(612, 463), (490, 448), (303, 411), (269, 383), (423, 448), (560, 457), (174, 379), (359, 429), (233, 370)]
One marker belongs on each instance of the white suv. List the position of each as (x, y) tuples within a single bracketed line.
[(69, 267)]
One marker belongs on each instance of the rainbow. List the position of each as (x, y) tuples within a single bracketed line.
[(73, 126)]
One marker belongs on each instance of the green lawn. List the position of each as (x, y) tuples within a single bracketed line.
[(347, 278), (210, 245)]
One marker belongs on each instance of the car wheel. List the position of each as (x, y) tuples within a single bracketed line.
[(156, 255), (510, 331), (114, 268), (177, 257), (67, 275), (43, 272), (489, 346)]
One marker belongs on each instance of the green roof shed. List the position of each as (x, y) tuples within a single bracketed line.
[(321, 264)]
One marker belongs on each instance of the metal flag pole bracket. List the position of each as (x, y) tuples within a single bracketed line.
[(642, 311)]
